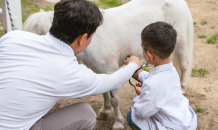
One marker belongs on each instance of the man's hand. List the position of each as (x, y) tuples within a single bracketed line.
[(137, 89), (133, 59)]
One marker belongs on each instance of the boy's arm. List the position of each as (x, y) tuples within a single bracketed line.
[(136, 74), (146, 100), (141, 75)]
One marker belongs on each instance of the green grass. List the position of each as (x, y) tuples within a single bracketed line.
[(203, 22), (201, 72), (30, 6), (194, 23), (199, 109), (105, 4), (1, 33), (202, 36), (213, 39), (96, 106), (146, 69), (212, 27)]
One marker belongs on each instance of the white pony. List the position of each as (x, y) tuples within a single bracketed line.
[(119, 36)]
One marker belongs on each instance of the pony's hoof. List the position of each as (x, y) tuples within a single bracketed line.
[(118, 126), (103, 113), (183, 88)]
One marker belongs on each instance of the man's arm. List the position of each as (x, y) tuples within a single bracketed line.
[(115, 80), (83, 82)]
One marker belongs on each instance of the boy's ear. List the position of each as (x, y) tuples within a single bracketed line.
[(83, 38), (151, 55)]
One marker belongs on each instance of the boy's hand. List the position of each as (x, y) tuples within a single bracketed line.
[(133, 59), (138, 89)]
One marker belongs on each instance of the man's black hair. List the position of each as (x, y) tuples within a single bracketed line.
[(159, 38), (73, 18)]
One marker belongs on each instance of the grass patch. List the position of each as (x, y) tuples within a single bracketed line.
[(194, 23), (199, 72), (96, 106), (199, 109), (203, 22), (202, 36), (212, 27), (1, 33), (212, 39), (146, 69), (30, 6), (105, 4)]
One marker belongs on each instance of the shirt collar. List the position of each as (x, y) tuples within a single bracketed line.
[(161, 68), (60, 44)]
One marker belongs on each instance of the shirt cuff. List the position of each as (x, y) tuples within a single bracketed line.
[(143, 75), (135, 100), (134, 65)]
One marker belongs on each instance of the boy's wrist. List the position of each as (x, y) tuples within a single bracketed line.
[(136, 74)]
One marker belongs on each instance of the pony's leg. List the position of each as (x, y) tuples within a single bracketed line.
[(105, 110), (119, 121), (182, 52)]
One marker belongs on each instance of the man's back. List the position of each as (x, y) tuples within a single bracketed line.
[(35, 73)]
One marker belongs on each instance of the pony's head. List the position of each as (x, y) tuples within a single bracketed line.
[(39, 23)]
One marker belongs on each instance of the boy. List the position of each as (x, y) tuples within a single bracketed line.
[(160, 104)]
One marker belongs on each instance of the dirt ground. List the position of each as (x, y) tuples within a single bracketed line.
[(202, 92)]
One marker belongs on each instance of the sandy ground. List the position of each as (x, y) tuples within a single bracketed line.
[(202, 92)]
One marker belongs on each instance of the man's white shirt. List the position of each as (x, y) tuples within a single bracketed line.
[(38, 71)]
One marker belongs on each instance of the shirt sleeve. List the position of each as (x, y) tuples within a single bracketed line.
[(85, 82), (135, 100), (117, 79), (81, 82), (146, 106), (143, 75)]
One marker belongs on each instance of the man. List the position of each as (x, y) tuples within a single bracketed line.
[(38, 71)]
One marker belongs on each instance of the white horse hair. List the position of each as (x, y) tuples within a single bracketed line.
[(39, 23), (119, 36)]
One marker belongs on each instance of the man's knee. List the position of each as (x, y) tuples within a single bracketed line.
[(90, 117), (88, 110)]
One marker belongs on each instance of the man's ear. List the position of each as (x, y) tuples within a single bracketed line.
[(82, 39), (151, 55)]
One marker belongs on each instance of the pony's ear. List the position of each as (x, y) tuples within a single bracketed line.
[(41, 10)]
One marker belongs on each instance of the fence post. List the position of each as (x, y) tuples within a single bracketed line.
[(15, 7)]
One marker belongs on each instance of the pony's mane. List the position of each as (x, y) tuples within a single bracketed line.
[(39, 23)]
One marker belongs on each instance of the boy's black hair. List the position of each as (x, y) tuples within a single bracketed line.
[(159, 38), (73, 18)]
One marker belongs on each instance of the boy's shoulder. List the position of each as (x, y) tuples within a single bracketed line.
[(162, 79)]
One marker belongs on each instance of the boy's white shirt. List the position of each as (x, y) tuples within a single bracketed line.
[(161, 104)]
